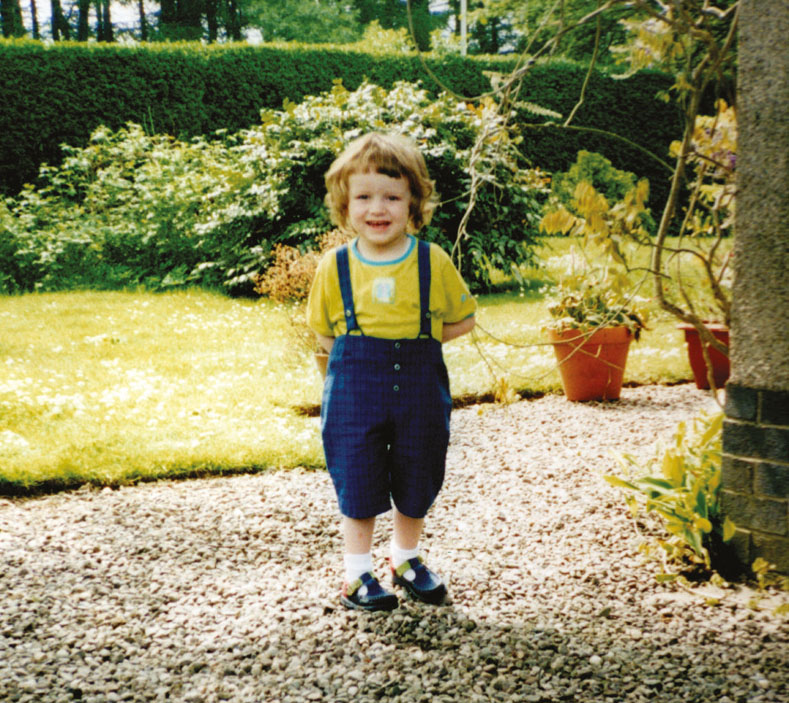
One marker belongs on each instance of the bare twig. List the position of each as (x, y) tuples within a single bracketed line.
[(592, 63)]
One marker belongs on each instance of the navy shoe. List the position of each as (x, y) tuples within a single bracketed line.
[(367, 594), (422, 583)]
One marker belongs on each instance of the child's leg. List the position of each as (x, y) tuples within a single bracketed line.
[(358, 534), (407, 530), (358, 540), (362, 590), (408, 569)]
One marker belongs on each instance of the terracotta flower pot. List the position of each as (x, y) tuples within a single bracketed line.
[(720, 362), (592, 366)]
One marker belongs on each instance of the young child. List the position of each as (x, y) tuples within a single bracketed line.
[(381, 306)]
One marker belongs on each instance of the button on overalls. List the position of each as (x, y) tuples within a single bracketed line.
[(385, 411)]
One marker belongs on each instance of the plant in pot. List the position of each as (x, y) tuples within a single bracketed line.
[(288, 281), (596, 314), (592, 327), (691, 270), (704, 305)]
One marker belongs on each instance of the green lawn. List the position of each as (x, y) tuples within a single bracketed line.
[(111, 387)]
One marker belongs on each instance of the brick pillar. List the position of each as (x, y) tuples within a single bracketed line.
[(755, 474)]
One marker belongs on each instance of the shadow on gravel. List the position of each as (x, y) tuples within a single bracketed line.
[(420, 653)]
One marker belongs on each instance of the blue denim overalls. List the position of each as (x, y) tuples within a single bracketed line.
[(385, 411)]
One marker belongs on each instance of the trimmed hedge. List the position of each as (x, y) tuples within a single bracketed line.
[(59, 93)]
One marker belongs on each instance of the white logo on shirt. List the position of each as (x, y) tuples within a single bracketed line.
[(384, 290)]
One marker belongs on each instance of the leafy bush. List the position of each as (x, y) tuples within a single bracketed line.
[(596, 299), (593, 168), (60, 93), (682, 485), (131, 209), (56, 94)]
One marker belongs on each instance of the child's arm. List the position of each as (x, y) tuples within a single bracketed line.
[(326, 342), (453, 330)]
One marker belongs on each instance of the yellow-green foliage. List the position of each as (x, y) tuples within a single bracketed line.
[(681, 483)]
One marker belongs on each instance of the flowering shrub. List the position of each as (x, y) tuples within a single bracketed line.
[(132, 209), (295, 146)]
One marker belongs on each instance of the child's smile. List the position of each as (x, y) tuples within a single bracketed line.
[(378, 211)]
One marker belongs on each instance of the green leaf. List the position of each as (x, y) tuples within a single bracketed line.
[(702, 524), (701, 503), (620, 483), (729, 528), (715, 428), (694, 541)]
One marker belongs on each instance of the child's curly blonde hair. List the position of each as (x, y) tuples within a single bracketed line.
[(392, 155)]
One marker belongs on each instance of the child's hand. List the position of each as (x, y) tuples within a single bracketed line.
[(453, 330), (326, 342)]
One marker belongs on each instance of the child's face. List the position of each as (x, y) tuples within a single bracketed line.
[(378, 211)]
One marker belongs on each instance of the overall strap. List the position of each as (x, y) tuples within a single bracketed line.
[(425, 326), (344, 272)]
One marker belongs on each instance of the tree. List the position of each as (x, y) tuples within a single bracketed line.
[(83, 28), (34, 20), (394, 14), (144, 34), (60, 27), (530, 26), (313, 22), (11, 18), (104, 29), (234, 20)]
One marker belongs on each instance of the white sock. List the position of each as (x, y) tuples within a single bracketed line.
[(400, 555), (356, 565)]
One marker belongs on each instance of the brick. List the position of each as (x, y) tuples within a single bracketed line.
[(776, 443), (774, 549), (752, 441), (742, 403), (737, 474), (768, 479), (742, 439), (764, 514), (774, 408), (738, 507), (769, 515)]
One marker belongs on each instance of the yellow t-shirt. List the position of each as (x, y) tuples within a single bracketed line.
[(386, 294)]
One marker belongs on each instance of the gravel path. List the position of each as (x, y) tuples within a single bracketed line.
[(227, 589)]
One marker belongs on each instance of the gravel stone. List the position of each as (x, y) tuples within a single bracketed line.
[(227, 588)]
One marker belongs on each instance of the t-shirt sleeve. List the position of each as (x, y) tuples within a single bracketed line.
[(318, 318), (458, 302)]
